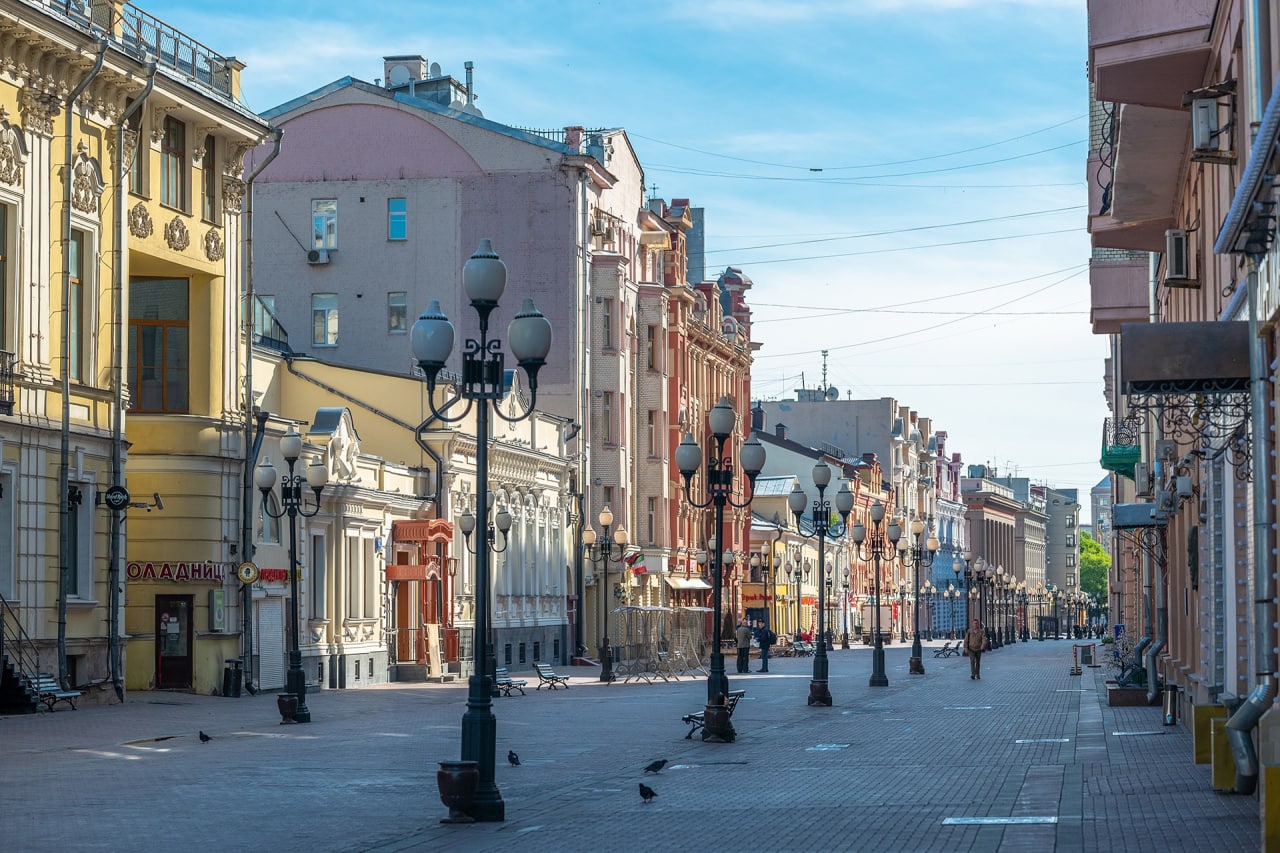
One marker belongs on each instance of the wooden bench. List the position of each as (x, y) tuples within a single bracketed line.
[(503, 682), (802, 649), (546, 676), (51, 693), (696, 721), (947, 650)]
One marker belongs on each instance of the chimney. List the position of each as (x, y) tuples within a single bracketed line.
[(757, 418), (573, 138), (780, 431)]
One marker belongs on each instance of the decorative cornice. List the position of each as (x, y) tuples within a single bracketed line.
[(39, 108)]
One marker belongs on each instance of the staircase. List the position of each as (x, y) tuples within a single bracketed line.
[(19, 662)]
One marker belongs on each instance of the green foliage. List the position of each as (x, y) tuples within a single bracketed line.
[(1094, 565)]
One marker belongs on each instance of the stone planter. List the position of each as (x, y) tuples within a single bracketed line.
[(457, 781), (287, 703)]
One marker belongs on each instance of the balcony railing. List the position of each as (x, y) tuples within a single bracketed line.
[(6, 383), (142, 35), (1121, 445)]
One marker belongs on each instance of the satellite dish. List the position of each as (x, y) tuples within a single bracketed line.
[(833, 393)]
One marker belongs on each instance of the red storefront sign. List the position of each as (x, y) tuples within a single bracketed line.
[(179, 572)]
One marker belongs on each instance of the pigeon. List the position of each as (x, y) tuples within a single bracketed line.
[(204, 738), (655, 766), (513, 758), (647, 793)]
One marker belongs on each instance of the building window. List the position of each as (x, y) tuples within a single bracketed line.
[(652, 352), (397, 219), (607, 324), (324, 223), (651, 427), (76, 321), (160, 350), (173, 162), (1071, 540), (209, 183), (80, 542), (653, 520), (268, 520), (324, 319), (136, 170), (8, 293), (606, 417), (397, 313), (606, 496), (1071, 580), (1071, 521), (1071, 560)]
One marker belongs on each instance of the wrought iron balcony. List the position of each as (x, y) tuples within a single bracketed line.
[(6, 383), (1121, 445)]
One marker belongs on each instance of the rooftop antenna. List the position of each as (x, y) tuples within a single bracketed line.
[(824, 369), (653, 191)]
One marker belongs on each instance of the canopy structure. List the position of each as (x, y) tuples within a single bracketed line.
[(644, 650)]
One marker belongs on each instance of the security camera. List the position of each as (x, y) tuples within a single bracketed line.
[(159, 504)]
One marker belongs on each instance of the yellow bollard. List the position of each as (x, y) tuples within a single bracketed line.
[(1200, 739), (1222, 776)]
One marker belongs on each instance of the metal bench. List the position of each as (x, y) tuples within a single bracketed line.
[(546, 676), (696, 719), (503, 682), (50, 692)]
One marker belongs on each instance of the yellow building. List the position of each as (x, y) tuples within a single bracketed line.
[(121, 150)]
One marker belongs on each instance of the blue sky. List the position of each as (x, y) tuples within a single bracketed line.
[(939, 255)]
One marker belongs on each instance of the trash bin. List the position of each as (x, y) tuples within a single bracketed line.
[(231, 678), (1170, 706), (1086, 655)]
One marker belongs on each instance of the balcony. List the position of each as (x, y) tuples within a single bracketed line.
[(1121, 449), (6, 383), (1150, 152), (1148, 52), (1118, 292)]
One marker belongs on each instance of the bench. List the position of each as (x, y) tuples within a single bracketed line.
[(503, 682), (50, 692), (696, 720), (947, 650), (802, 649), (548, 677)]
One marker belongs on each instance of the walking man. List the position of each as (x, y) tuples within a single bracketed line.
[(975, 643), (743, 636)]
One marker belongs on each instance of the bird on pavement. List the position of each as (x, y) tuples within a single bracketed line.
[(655, 766), (647, 793), (204, 738), (513, 758)]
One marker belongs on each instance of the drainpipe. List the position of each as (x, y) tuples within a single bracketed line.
[(1157, 571), (1242, 723), (64, 465), (252, 443), (116, 550)]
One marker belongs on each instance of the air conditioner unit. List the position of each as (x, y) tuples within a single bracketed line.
[(1204, 124), (1142, 479), (318, 256), (598, 226), (1177, 259)]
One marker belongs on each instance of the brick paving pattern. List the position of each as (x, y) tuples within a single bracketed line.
[(884, 769)]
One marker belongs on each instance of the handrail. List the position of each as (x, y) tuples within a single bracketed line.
[(26, 657)]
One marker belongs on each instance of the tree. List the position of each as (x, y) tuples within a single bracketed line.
[(1094, 565)]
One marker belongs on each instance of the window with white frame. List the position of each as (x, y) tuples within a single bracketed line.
[(324, 319), (78, 342), (319, 571), (651, 430), (606, 417), (80, 542), (606, 324), (398, 312), (397, 219), (653, 521), (173, 164), (651, 352), (268, 527), (324, 223), (1071, 560), (209, 180)]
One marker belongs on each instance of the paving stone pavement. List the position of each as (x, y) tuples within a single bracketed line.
[(897, 768)]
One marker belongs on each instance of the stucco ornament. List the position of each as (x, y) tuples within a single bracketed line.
[(213, 249), (176, 234), (344, 447), (232, 194), (86, 183), (140, 221), (13, 151)]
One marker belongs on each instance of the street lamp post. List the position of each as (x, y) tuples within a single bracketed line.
[(844, 606), (719, 488), (484, 278), (799, 574), (876, 547), (293, 504), (819, 692), (602, 551), (918, 555)]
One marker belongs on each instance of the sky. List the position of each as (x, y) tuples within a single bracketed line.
[(902, 180)]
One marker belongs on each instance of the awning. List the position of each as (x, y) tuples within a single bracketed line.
[(687, 583)]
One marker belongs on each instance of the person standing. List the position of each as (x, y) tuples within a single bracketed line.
[(765, 638), (743, 636), (975, 643)]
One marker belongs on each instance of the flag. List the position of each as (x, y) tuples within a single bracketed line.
[(635, 562)]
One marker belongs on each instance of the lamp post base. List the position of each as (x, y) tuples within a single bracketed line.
[(819, 694), (878, 678), (479, 738), (844, 640), (606, 662), (915, 666)]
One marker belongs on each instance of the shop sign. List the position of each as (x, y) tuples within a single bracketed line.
[(177, 572), (274, 575)]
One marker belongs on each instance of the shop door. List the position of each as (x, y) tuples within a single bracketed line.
[(173, 642)]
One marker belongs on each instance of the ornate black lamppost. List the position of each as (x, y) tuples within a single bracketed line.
[(876, 547), (823, 526), (844, 606), (1022, 607), (719, 489), (484, 278), (603, 551), (799, 574), (767, 561), (293, 504), (918, 555)]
